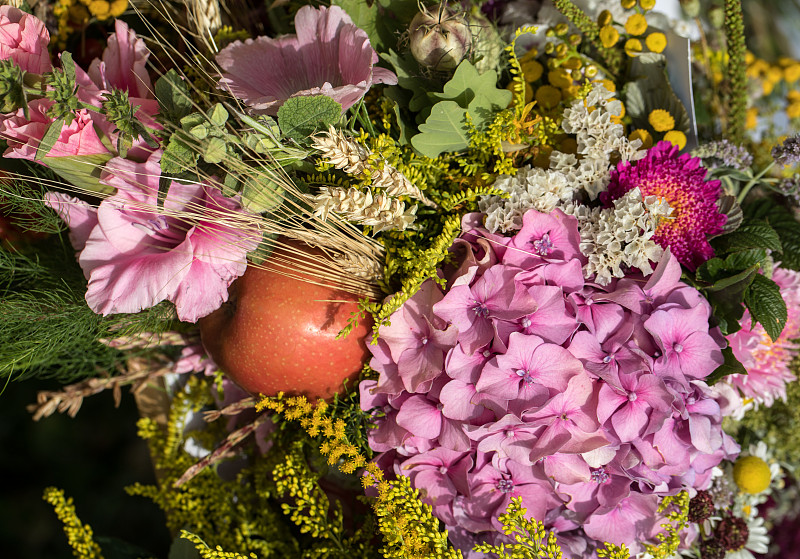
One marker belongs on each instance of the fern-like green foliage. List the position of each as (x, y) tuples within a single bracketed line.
[(532, 540), (736, 98)]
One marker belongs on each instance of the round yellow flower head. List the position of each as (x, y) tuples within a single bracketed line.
[(548, 96), (532, 70), (752, 118), (609, 85), (628, 4), (636, 24), (644, 136), (609, 36), (647, 4), (561, 29), (656, 42), (604, 18), (633, 47), (676, 137), (661, 120), (751, 474), (792, 73), (590, 71), (559, 78)]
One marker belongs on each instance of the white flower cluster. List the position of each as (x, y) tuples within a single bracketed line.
[(529, 188), (380, 212), (599, 138), (620, 236)]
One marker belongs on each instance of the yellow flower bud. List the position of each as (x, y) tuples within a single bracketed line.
[(609, 36), (628, 4), (636, 24), (605, 18), (548, 96), (633, 47), (751, 474), (656, 42), (647, 4), (676, 137), (644, 136)]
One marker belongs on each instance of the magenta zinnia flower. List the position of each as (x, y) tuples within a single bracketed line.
[(767, 362), (328, 56), (680, 180)]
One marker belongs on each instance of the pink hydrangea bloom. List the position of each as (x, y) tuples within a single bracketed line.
[(767, 362), (78, 138), (136, 256), (328, 56), (681, 181), (590, 411), (24, 39)]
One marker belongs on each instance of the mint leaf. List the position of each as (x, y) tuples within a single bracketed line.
[(300, 117), (764, 301), (174, 101), (731, 366), (444, 130)]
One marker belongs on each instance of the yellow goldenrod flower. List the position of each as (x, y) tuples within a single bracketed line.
[(647, 4), (633, 47), (628, 4), (752, 118), (661, 120), (644, 136), (512, 87), (604, 18), (548, 96), (676, 137), (656, 42), (792, 111), (636, 24), (609, 36), (532, 70), (751, 474)]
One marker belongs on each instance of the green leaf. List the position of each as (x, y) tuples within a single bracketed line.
[(784, 224), (174, 101), (649, 89), (178, 156), (200, 131), (752, 234), (764, 301), (49, 138), (192, 120), (83, 171), (467, 84), (409, 77), (300, 117), (726, 296), (746, 258), (262, 194), (218, 116), (729, 206), (731, 366), (68, 66), (215, 151), (443, 131)]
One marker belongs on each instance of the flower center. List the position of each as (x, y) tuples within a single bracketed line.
[(505, 485), (632, 397), (481, 309), (607, 359), (486, 353), (526, 376), (526, 322), (600, 476), (159, 230), (443, 470), (543, 246), (677, 348)]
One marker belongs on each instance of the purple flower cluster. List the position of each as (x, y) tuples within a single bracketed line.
[(524, 380)]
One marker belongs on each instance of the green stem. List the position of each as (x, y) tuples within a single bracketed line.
[(746, 189)]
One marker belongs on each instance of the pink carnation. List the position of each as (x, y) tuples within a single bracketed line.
[(328, 56), (136, 256), (24, 39), (78, 138), (767, 362)]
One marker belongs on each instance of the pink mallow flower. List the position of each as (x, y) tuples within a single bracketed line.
[(328, 56), (767, 362), (24, 39), (681, 181), (77, 138), (137, 255)]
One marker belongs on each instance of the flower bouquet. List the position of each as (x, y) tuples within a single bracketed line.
[(406, 279)]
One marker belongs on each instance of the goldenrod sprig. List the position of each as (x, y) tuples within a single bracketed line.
[(79, 536)]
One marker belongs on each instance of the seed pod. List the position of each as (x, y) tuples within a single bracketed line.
[(441, 40)]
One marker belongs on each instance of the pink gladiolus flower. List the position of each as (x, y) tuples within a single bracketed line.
[(137, 256), (78, 138), (328, 56), (124, 64), (24, 39)]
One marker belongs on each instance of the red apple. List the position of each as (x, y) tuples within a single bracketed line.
[(277, 333)]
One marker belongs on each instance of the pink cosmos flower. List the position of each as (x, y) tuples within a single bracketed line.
[(77, 139), (137, 256), (328, 56), (24, 39), (767, 362)]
